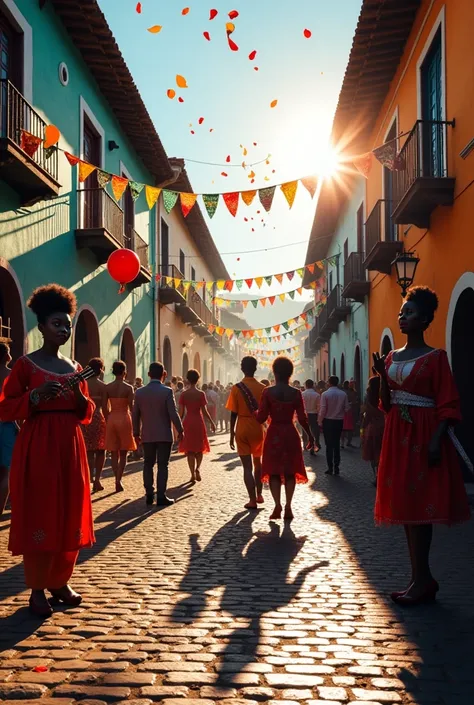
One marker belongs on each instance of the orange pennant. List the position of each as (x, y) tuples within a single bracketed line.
[(248, 196), (259, 282), (279, 278), (310, 268), (289, 191), (85, 170), (187, 202), (119, 184)]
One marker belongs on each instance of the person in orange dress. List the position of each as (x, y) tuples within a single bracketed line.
[(192, 409), (51, 512), (243, 402), (282, 454), (119, 431), (419, 477), (94, 433)]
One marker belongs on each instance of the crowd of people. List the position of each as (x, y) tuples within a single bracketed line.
[(55, 430)]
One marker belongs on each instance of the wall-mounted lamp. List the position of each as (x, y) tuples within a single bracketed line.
[(406, 264), (113, 145)]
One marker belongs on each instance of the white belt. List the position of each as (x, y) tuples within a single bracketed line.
[(404, 400)]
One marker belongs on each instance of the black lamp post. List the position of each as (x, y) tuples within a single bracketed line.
[(406, 264)]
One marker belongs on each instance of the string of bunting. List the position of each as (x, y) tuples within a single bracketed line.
[(256, 351), (387, 154), (274, 353), (230, 303)]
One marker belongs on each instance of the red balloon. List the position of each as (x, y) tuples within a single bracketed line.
[(123, 266)]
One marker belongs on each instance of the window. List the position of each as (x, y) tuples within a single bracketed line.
[(165, 248), (360, 230), (182, 263), (11, 64), (193, 274), (391, 231), (346, 249), (92, 151)]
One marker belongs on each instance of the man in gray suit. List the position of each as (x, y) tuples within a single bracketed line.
[(153, 413)]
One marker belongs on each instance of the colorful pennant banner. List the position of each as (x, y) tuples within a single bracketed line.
[(229, 303)]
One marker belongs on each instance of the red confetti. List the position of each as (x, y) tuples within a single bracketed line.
[(255, 68), (192, 132), (223, 173), (233, 46), (181, 100), (228, 159), (207, 36), (211, 129), (254, 144), (253, 230), (185, 11), (246, 220), (213, 14), (307, 33), (40, 669), (139, 7), (238, 259), (252, 55), (233, 14), (201, 120)]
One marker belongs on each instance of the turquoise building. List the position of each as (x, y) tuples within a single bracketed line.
[(60, 65)]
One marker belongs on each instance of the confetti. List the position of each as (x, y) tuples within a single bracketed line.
[(207, 36), (155, 29), (255, 68), (233, 46), (171, 93), (254, 144), (181, 81), (274, 103), (185, 11), (307, 33), (251, 175), (40, 669), (245, 152), (192, 132), (252, 55), (223, 173), (213, 14), (211, 129), (181, 100), (233, 14), (139, 8), (228, 159), (238, 259), (201, 120)]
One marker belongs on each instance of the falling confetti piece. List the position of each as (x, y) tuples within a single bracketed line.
[(253, 181), (233, 46), (223, 173), (251, 175), (266, 178), (228, 159), (181, 100), (139, 8), (252, 55), (201, 120), (246, 220), (207, 36), (238, 259), (185, 11), (181, 81), (40, 669), (155, 29), (230, 27), (233, 14), (274, 103), (213, 14), (192, 132), (254, 144), (171, 93), (255, 68), (211, 129), (307, 33), (244, 165)]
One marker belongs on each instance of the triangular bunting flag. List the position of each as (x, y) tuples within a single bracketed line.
[(300, 272), (268, 331), (308, 326), (177, 282), (211, 201), (232, 202), (119, 184), (199, 285), (276, 328), (169, 200), (229, 333), (245, 304), (70, 157), (30, 143), (85, 170), (229, 285), (311, 184), (291, 294), (186, 286), (259, 281), (387, 154), (266, 197), (209, 286), (310, 268), (211, 328), (272, 300), (304, 316), (254, 302), (220, 284), (152, 194), (248, 196), (286, 325), (49, 151), (290, 275), (268, 280), (289, 191), (220, 330), (249, 282), (282, 297), (135, 189), (239, 283), (263, 302), (187, 202), (363, 164), (103, 178), (279, 278), (300, 291)]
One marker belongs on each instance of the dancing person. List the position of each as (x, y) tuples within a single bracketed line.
[(119, 434), (333, 407), (193, 409), (154, 415), (419, 478), (94, 433), (373, 423), (282, 455), (348, 425), (243, 402), (312, 401), (8, 429), (51, 512)]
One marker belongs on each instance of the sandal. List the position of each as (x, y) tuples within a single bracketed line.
[(276, 514)]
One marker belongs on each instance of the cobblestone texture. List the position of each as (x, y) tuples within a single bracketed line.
[(205, 604)]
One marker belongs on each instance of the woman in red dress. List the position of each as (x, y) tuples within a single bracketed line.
[(51, 512), (419, 477), (282, 454), (192, 406)]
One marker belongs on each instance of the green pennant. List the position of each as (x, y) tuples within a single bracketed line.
[(291, 294), (103, 178), (239, 283), (211, 201), (268, 331), (237, 333), (135, 189), (254, 302), (169, 200), (286, 326), (269, 280), (332, 261), (49, 151)]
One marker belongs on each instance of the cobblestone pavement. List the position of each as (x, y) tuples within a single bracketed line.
[(205, 603)]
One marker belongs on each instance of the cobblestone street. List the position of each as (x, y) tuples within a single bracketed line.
[(204, 601)]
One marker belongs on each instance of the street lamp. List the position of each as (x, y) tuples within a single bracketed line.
[(406, 264)]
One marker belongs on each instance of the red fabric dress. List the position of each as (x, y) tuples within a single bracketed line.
[(49, 477), (195, 435), (408, 490), (282, 453)]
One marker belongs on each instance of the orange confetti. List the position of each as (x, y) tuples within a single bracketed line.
[(171, 93), (181, 81), (213, 14), (245, 152), (274, 103), (155, 29), (207, 36), (230, 27), (185, 11), (139, 8), (307, 33), (251, 175), (201, 120), (252, 55), (223, 173), (233, 14)]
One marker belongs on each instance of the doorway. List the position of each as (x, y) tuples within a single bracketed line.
[(462, 339), (167, 358), (12, 321), (185, 364), (86, 337), (92, 195), (197, 362), (127, 354), (343, 368), (432, 110), (386, 345)]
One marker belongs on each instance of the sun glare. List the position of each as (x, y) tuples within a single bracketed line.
[(328, 162)]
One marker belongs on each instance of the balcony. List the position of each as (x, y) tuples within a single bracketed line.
[(338, 308), (356, 286), (421, 182), (168, 293), (102, 231), (196, 313), (381, 243), (33, 178)]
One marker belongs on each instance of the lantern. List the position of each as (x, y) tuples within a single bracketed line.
[(406, 264), (123, 266)]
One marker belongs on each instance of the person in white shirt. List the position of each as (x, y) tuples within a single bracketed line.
[(312, 400), (334, 404)]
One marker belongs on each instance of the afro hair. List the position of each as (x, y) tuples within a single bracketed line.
[(425, 299), (51, 298)]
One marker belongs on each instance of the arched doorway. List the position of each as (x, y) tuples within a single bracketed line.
[(127, 354), (86, 337), (197, 362), (12, 315), (386, 345), (343, 368), (185, 364), (462, 339), (167, 357), (358, 372), (204, 372)]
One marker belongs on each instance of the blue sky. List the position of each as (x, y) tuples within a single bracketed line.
[(304, 75)]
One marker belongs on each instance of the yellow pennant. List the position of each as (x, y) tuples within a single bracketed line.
[(289, 190), (209, 286), (282, 297), (248, 196), (186, 286), (176, 283), (220, 283), (152, 194), (258, 281), (85, 170), (229, 332)]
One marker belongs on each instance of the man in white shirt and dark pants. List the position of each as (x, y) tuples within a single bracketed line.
[(333, 407), (311, 400)]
